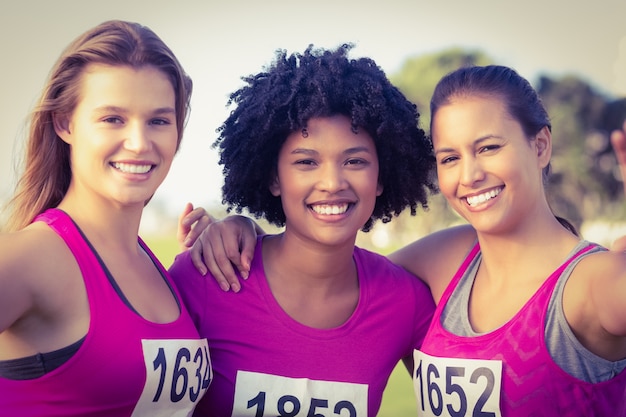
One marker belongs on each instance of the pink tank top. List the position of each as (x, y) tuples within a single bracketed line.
[(509, 371), (126, 366)]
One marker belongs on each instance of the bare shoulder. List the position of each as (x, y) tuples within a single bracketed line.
[(609, 265), (599, 283), (435, 258), (33, 267), (31, 250)]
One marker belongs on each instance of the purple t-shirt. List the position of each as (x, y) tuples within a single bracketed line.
[(266, 363)]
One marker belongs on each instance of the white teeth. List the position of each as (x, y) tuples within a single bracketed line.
[(132, 168), (328, 209), (481, 198)]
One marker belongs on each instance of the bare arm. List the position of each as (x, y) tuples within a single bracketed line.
[(609, 293), (595, 297), (227, 245), (43, 303), (593, 303), (610, 296), (436, 258), (16, 297), (618, 140)]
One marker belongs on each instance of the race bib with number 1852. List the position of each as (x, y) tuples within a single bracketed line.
[(263, 395), (457, 387)]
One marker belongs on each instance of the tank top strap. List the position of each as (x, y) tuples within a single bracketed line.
[(64, 226), (470, 259), (578, 252), (93, 274)]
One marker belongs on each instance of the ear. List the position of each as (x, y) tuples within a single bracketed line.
[(379, 189), (275, 186), (543, 145), (62, 127)]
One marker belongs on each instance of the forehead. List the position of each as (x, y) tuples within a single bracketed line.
[(100, 83), (471, 116), (327, 132)]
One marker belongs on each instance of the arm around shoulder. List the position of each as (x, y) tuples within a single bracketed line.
[(435, 258)]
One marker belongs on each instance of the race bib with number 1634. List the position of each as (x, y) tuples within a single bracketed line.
[(178, 374)]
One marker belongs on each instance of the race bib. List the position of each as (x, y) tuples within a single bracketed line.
[(457, 387), (178, 374), (260, 395)]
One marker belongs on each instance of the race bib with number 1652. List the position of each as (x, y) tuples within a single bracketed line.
[(457, 387)]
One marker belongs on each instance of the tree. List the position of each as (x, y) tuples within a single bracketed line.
[(419, 75), (583, 184)]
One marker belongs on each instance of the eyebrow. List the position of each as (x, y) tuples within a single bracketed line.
[(349, 151), (117, 109), (476, 142)]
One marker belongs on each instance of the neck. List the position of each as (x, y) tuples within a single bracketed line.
[(314, 284), (531, 251), (308, 265), (106, 226)]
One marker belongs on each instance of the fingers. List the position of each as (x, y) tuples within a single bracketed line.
[(199, 220), (222, 253), (225, 249), (203, 258), (191, 222), (183, 228), (238, 236), (217, 251), (247, 245)]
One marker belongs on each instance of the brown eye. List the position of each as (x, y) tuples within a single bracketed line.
[(112, 119)]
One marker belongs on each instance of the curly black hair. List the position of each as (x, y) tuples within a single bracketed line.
[(322, 83)]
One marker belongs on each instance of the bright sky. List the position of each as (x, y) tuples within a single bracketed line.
[(220, 41)]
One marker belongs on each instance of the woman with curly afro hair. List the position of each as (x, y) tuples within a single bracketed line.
[(321, 83), (324, 145)]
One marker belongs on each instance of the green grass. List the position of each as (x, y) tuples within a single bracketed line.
[(165, 248), (398, 398)]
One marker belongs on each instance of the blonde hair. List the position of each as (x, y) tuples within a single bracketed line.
[(47, 173)]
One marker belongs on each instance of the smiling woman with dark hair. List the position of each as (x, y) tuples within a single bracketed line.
[(322, 144)]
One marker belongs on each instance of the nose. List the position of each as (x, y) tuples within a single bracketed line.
[(137, 138), (471, 172), (331, 179)]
